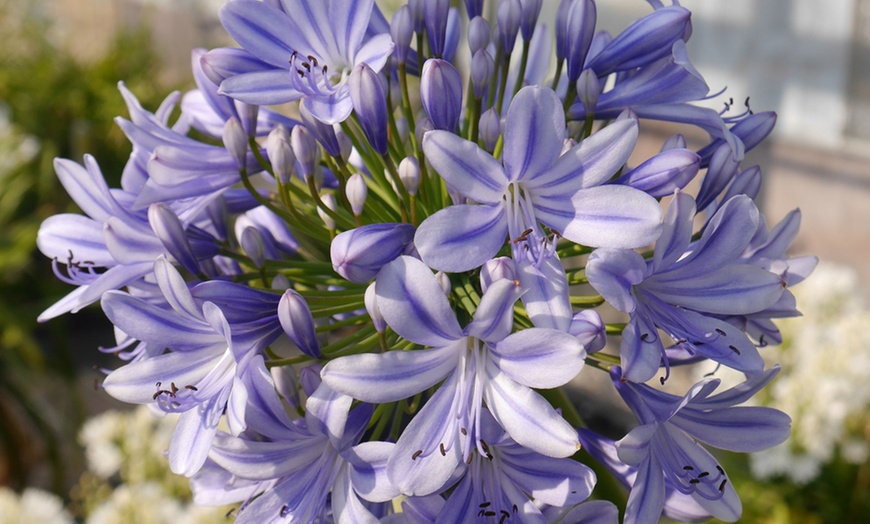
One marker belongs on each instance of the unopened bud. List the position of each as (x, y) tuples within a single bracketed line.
[(236, 141), (297, 321), (531, 9), (436, 13), (441, 93), (360, 253), (252, 244), (479, 34), (329, 201), (306, 149), (443, 281), (496, 269), (482, 68), (370, 105), (490, 128), (509, 16), (357, 191), (280, 154), (678, 141), (371, 301), (402, 30), (409, 174), (588, 90)]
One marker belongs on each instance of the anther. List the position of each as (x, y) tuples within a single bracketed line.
[(704, 474), (443, 451), (314, 61), (416, 454), (283, 512), (688, 468), (484, 504), (489, 513), (721, 332), (307, 66), (463, 431), (721, 471), (694, 481), (722, 485), (734, 349), (192, 388)]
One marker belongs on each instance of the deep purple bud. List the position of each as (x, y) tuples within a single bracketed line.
[(531, 11), (409, 174), (644, 41), (490, 128), (747, 182), (441, 93), (360, 253), (329, 201), (324, 133), (418, 17), (722, 169), (236, 141), (306, 149), (402, 31), (280, 154), (588, 90), (509, 16), (436, 12), (168, 228), (496, 269), (474, 8), (578, 36), (482, 68), (371, 301), (678, 141), (478, 34), (561, 24), (357, 191), (588, 327), (252, 244), (295, 317), (370, 105), (663, 173)]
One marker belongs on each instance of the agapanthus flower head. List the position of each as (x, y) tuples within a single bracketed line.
[(372, 314)]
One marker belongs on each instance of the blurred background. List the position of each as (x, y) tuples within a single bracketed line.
[(60, 61)]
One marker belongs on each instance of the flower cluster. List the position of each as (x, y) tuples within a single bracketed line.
[(368, 311)]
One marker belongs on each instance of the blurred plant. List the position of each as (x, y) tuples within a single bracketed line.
[(128, 479), (69, 106), (821, 474), (33, 505)]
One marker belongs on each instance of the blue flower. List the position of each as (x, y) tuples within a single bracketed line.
[(309, 48), (483, 362), (664, 448), (686, 287)]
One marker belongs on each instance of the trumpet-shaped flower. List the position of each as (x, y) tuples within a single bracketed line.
[(482, 362), (309, 48)]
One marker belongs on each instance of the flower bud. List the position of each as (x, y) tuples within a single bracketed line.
[(561, 27), (323, 133), (402, 31), (370, 105), (747, 182), (306, 149), (478, 34), (496, 269), (482, 68), (248, 118), (722, 169), (509, 16), (588, 327), (297, 321), (531, 9), (169, 230), (345, 144), (409, 174), (251, 242), (579, 32), (236, 141), (357, 191), (329, 201), (678, 141), (360, 253), (280, 282), (371, 301), (441, 93), (660, 175), (474, 8), (588, 90), (280, 154), (417, 15), (490, 128), (436, 13)]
